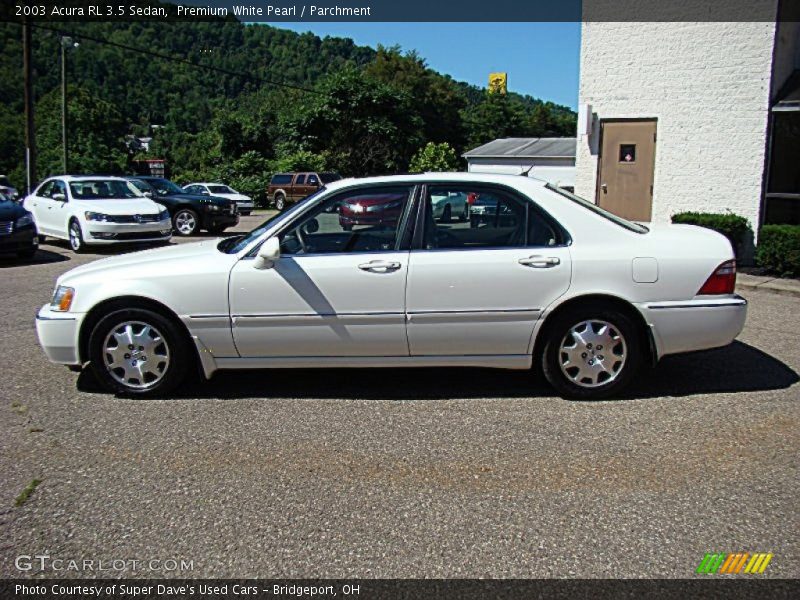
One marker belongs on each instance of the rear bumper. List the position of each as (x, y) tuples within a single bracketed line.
[(697, 324), (58, 335)]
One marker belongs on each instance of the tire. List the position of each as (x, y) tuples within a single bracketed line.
[(582, 375), (464, 216), (76, 237), (280, 201), (347, 227), (42, 238), (244, 213), (447, 214), (185, 222), (164, 340)]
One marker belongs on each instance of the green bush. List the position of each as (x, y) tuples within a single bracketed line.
[(732, 226), (778, 249)]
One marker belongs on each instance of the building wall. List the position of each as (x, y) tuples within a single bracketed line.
[(707, 84)]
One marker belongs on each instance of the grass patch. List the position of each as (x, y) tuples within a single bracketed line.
[(26, 493)]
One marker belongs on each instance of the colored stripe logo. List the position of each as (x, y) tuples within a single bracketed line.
[(734, 563)]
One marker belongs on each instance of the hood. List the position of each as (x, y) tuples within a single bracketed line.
[(146, 259), (197, 198), (237, 197), (128, 206), (11, 210)]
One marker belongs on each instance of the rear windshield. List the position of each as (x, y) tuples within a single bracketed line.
[(281, 179), (329, 177), (629, 225)]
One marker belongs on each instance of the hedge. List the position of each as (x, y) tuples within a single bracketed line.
[(732, 226), (778, 249)]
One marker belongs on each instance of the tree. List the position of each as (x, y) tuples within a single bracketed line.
[(96, 134), (362, 125), (434, 157)]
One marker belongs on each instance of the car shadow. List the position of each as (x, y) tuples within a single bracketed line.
[(735, 368), (42, 257)]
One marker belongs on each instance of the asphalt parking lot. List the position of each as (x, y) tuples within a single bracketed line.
[(402, 473)]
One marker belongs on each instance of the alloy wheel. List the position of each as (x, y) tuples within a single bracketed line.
[(185, 222), (592, 353), (136, 354), (75, 237)]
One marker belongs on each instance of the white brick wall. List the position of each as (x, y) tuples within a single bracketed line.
[(707, 84)]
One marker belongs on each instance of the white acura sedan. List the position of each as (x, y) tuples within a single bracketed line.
[(96, 210), (551, 280)]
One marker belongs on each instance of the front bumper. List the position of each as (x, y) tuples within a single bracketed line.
[(99, 232), (19, 240), (211, 220), (58, 335), (698, 324)]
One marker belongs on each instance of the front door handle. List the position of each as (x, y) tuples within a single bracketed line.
[(540, 262), (380, 266)]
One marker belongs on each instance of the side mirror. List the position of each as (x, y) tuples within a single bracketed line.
[(268, 254), (59, 196)]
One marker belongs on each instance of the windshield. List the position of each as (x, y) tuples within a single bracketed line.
[(233, 245), (164, 187), (221, 189), (329, 177), (103, 189), (629, 225)]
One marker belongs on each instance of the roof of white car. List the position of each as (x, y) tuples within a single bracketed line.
[(90, 177), (204, 183), (511, 180)]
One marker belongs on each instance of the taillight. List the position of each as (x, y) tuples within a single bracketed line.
[(722, 280)]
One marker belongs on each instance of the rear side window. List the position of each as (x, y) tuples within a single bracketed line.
[(281, 179), (301, 179), (465, 217)]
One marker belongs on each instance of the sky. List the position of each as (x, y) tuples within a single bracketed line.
[(541, 59)]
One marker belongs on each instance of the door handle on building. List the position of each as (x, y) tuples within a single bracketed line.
[(540, 262)]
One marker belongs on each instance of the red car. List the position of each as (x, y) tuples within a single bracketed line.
[(383, 210)]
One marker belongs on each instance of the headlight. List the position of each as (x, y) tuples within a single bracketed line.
[(163, 215), (212, 207), (24, 220), (62, 298), (93, 216)]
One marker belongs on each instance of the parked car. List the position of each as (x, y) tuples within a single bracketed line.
[(190, 212), (447, 206), (378, 210), (287, 188), (485, 210), (17, 229), (96, 210), (7, 188), (564, 284), (244, 204)]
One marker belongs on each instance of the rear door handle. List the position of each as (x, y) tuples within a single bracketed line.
[(540, 262), (379, 266)]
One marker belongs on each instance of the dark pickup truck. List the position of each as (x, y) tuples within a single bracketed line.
[(288, 188)]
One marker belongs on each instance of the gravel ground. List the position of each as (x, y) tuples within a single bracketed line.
[(402, 473)]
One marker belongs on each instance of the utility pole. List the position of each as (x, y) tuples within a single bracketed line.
[(30, 133), (64, 42)]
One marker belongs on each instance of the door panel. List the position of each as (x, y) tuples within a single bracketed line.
[(481, 302), (320, 305), (627, 159)]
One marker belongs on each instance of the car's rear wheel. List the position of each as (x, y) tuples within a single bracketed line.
[(591, 353), (138, 352), (76, 237), (280, 201), (186, 222)]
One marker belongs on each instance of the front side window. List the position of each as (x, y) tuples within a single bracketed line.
[(360, 220), (312, 180), (46, 189), (59, 187)]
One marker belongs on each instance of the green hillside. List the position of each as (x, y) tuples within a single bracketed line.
[(351, 108)]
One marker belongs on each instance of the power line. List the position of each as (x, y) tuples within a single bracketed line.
[(177, 59)]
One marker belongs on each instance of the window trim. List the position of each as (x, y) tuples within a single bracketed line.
[(402, 241), (531, 207)]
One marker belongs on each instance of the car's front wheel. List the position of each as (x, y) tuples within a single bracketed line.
[(138, 352), (76, 237), (186, 222), (591, 353)]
